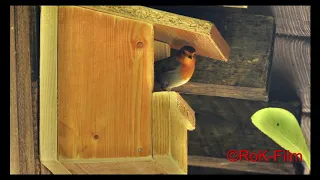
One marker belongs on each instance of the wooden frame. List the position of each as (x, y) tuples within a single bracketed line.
[(49, 153), (48, 90)]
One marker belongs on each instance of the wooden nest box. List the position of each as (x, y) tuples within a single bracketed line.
[(98, 114)]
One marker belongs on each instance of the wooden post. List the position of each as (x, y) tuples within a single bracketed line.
[(172, 117), (24, 155)]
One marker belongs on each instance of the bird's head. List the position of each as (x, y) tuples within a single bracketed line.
[(187, 52)]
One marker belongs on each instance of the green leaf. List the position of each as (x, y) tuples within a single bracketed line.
[(282, 127)]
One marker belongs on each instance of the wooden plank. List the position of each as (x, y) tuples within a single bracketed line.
[(224, 124), (250, 38), (161, 146), (179, 143), (14, 136), (237, 92), (48, 85), (24, 110), (48, 90), (306, 130), (292, 20), (172, 117), (161, 50), (23, 138), (291, 70), (105, 85), (56, 167), (176, 30), (145, 165), (44, 170), (256, 167)]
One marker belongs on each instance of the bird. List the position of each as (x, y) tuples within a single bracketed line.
[(175, 70)]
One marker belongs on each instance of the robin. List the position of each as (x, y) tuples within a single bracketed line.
[(175, 70)]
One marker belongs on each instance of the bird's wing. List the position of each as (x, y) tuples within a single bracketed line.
[(165, 65)]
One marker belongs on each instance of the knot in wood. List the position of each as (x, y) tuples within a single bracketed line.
[(140, 45), (96, 137)]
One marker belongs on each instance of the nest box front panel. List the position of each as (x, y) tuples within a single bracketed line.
[(105, 79)]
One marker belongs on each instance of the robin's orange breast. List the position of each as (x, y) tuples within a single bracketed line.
[(187, 69)]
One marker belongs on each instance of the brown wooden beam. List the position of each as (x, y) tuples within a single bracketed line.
[(24, 156), (237, 92)]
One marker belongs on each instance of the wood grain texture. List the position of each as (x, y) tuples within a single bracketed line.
[(161, 50), (244, 166), (306, 130), (291, 70), (55, 167), (14, 136), (237, 92), (171, 117), (250, 38), (145, 165), (292, 20), (23, 137), (161, 125), (48, 83), (176, 30), (305, 126), (44, 170), (48, 91), (105, 85)]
